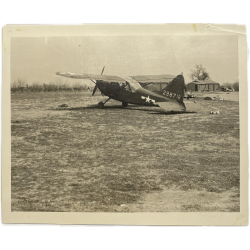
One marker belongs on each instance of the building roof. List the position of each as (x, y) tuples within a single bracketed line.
[(209, 81), (153, 78)]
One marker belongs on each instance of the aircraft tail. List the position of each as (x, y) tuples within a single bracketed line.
[(175, 89)]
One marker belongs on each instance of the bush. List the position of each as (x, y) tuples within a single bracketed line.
[(236, 86), (79, 87), (59, 85), (36, 87), (18, 85)]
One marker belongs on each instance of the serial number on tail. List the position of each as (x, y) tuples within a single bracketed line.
[(171, 94)]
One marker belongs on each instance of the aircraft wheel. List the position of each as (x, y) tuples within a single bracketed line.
[(124, 104), (100, 105)]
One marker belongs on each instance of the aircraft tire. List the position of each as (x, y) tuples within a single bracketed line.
[(124, 104), (100, 105)]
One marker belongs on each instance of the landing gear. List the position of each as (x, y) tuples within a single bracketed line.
[(100, 105), (124, 104)]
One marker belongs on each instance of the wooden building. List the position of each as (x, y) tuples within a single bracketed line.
[(201, 86), (154, 82)]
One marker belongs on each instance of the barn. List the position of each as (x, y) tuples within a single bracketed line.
[(156, 86), (154, 82), (207, 85)]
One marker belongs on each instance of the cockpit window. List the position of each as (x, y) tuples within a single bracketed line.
[(133, 84), (126, 86), (115, 85)]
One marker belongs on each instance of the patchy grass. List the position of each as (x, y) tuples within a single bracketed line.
[(85, 159)]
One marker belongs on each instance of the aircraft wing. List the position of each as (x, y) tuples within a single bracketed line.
[(91, 77), (140, 79)]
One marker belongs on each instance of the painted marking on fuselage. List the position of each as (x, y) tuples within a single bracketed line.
[(147, 99), (171, 94)]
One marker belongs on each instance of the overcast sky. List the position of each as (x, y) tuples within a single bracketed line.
[(37, 59)]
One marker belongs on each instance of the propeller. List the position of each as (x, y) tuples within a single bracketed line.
[(103, 70), (95, 88)]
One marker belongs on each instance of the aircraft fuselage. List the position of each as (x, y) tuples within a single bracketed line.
[(117, 91)]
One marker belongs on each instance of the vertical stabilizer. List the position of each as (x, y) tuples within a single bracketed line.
[(175, 89)]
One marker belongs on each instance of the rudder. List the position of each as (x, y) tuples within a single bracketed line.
[(175, 89)]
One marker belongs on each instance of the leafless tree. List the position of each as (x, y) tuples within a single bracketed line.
[(199, 73)]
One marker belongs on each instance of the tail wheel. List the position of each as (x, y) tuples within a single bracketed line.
[(100, 105), (124, 104)]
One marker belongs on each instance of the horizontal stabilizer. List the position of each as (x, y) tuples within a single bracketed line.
[(172, 106), (192, 106)]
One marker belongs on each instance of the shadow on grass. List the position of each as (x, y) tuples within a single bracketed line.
[(94, 107), (136, 107), (171, 113)]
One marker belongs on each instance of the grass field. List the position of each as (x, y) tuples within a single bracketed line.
[(122, 160)]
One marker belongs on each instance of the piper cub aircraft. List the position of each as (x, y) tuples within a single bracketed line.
[(128, 90)]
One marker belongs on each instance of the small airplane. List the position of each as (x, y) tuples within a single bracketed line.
[(128, 90)]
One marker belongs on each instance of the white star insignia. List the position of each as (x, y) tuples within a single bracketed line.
[(147, 99)]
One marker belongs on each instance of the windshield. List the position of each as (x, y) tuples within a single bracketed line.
[(134, 85)]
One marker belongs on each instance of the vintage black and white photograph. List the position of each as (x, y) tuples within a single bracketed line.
[(125, 123)]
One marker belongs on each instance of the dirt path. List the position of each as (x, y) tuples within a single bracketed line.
[(172, 200)]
